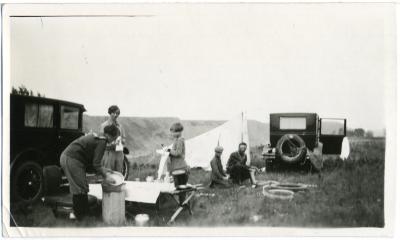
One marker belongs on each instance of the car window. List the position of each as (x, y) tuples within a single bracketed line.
[(45, 116), (31, 115), (332, 126), (294, 123), (38, 115), (69, 117)]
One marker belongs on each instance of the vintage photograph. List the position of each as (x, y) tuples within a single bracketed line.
[(200, 115)]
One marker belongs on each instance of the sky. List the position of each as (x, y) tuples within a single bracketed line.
[(213, 61)]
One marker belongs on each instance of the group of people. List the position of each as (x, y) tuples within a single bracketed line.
[(237, 171), (104, 152)]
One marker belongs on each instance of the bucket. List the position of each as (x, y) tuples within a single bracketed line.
[(180, 178), (113, 204), (149, 179), (142, 220)]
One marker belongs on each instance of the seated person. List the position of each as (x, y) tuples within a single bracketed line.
[(237, 168), (218, 176)]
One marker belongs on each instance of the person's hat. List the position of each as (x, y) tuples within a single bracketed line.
[(219, 149), (176, 127)]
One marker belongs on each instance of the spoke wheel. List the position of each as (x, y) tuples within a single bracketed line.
[(27, 182)]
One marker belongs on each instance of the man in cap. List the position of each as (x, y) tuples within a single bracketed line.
[(237, 167), (218, 176)]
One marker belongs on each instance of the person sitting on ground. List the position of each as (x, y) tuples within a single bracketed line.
[(218, 176), (237, 168), (77, 157)]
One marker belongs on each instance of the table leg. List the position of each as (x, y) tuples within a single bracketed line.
[(189, 209), (179, 210)]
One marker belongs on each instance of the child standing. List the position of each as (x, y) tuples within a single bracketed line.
[(177, 156)]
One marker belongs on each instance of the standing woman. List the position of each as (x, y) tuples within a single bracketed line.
[(177, 156), (85, 151), (114, 157)]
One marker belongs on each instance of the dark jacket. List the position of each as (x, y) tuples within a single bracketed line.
[(89, 150), (236, 159), (217, 172)]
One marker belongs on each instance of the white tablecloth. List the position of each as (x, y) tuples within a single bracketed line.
[(146, 192)]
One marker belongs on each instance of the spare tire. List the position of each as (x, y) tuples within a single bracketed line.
[(291, 148)]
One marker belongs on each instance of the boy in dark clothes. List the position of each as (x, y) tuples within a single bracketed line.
[(237, 167), (81, 153), (218, 176)]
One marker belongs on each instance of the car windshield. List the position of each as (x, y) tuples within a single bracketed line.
[(287, 123)]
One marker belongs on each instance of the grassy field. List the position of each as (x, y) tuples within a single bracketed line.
[(347, 194)]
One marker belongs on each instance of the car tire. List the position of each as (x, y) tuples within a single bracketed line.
[(27, 182), (302, 149), (125, 168)]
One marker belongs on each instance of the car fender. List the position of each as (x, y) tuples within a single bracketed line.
[(22, 154)]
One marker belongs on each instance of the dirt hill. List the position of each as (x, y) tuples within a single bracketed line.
[(144, 135)]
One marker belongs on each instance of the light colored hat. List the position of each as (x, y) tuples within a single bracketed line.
[(219, 149)]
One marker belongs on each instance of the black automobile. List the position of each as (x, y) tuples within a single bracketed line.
[(41, 128), (293, 136)]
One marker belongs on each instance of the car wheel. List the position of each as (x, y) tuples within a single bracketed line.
[(27, 182), (125, 169)]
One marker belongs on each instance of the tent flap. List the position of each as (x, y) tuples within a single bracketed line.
[(200, 149)]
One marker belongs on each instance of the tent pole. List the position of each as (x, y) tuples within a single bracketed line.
[(242, 127)]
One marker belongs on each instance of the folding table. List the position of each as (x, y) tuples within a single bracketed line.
[(149, 192)]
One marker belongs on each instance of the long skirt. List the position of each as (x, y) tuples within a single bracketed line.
[(113, 160)]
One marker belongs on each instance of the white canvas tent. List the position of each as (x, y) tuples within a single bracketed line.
[(200, 149)]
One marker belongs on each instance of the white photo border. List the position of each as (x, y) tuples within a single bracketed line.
[(10, 10)]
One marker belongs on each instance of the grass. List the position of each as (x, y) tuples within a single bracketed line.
[(348, 194)]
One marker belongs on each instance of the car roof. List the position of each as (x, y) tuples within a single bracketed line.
[(294, 114), (48, 100)]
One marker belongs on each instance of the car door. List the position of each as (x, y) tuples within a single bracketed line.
[(69, 125), (331, 134)]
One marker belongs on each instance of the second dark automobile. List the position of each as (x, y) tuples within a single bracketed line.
[(293, 136)]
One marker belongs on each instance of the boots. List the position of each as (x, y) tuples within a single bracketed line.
[(80, 205)]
